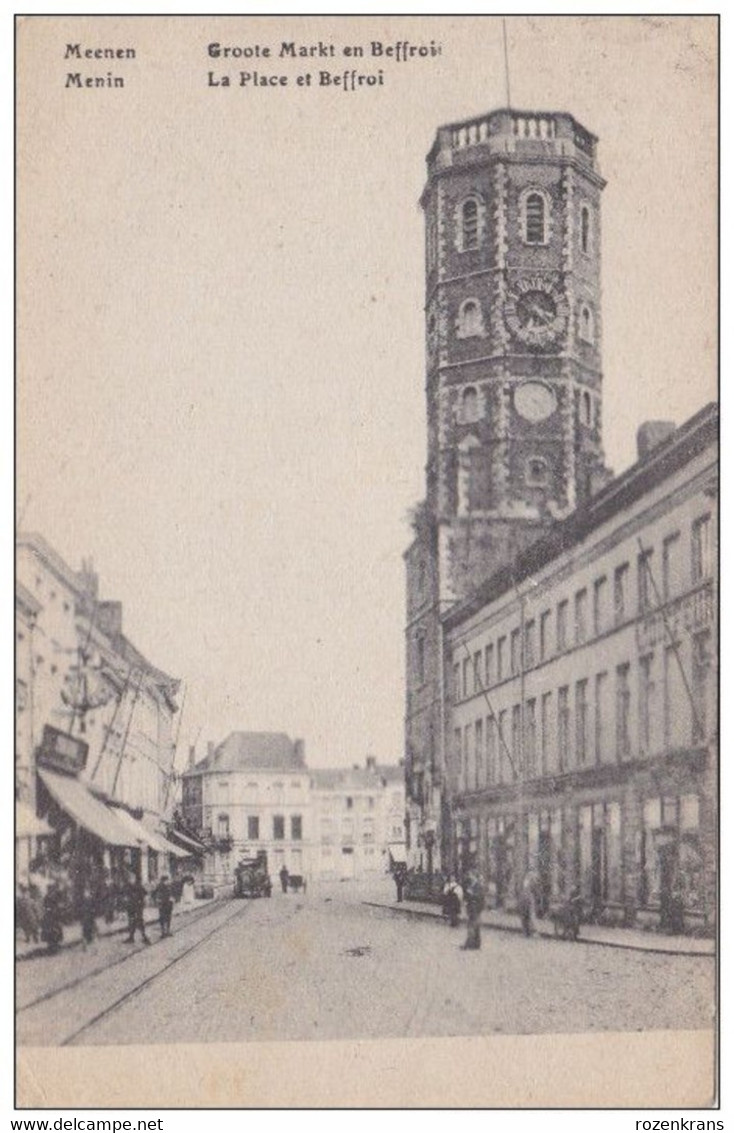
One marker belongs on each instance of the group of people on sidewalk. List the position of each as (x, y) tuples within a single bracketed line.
[(472, 895), (136, 895), (44, 907)]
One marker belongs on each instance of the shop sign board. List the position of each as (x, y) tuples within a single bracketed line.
[(61, 751)]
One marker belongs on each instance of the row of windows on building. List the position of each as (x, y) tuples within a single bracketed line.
[(276, 794), (355, 802), (535, 224), (253, 827), (497, 662), (552, 735), (330, 830), (276, 791), (52, 594)]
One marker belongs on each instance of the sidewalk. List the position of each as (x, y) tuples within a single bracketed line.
[(29, 950), (589, 934)]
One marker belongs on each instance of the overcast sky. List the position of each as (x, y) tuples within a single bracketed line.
[(221, 368)]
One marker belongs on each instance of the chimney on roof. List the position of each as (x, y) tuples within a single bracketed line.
[(109, 617), (209, 749), (89, 579), (371, 763), (298, 751), (651, 434), (192, 755)]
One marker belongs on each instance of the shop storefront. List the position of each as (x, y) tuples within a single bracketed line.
[(90, 843)]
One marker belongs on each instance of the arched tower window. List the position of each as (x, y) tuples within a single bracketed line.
[(470, 224), (585, 229), (470, 321), (586, 323), (535, 219), (431, 242), (586, 407), (469, 405)]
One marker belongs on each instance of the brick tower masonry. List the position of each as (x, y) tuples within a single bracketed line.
[(514, 381)]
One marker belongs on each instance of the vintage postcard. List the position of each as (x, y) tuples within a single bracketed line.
[(366, 599)]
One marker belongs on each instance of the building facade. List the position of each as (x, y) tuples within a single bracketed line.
[(249, 794), (95, 721), (254, 793), (357, 820), (581, 721), (512, 210)]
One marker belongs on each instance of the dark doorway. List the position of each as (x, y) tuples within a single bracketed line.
[(671, 900), (598, 871), (545, 872)]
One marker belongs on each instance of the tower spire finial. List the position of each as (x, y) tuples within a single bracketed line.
[(507, 62)]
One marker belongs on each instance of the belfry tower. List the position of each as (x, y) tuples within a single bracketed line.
[(514, 382)]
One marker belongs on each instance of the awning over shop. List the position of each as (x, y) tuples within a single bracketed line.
[(172, 848), (146, 837), (86, 810), (397, 853), (163, 845), (28, 825), (189, 844)]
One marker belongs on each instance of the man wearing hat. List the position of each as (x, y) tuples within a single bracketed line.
[(164, 897)]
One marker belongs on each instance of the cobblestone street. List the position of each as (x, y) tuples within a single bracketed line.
[(327, 966)]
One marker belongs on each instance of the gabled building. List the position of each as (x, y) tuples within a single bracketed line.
[(250, 793), (95, 721)]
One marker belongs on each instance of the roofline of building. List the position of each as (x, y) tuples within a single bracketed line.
[(203, 767), (28, 601), (51, 558), (666, 458), (457, 123), (118, 642)]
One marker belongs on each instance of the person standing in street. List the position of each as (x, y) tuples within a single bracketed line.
[(284, 878), (88, 913), (474, 897), (452, 898), (52, 930), (399, 873), (135, 909), (164, 897), (526, 903)]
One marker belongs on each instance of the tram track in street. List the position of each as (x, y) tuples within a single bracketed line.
[(121, 1000), (82, 1003), (75, 983)]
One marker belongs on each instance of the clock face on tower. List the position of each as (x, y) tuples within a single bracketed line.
[(536, 312), (534, 401), (535, 309)]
